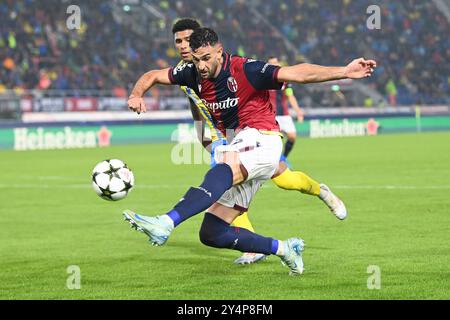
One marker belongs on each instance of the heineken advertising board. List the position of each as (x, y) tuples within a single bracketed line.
[(87, 136), (68, 137)]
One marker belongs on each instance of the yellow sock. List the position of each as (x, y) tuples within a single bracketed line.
[(296, 180), (243, 221)]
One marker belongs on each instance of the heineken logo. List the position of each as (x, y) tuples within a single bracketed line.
[(344, 128), (65, 138)]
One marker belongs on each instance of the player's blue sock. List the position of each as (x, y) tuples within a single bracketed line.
[(217, 180), (288, 148), (285, 160), (217, 233)]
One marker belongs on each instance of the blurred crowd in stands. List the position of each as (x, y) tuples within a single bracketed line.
[(38, 51)]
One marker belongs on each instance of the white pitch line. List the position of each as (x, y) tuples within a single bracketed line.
[(52, 178), (392, 187), (42, 186), (178, 186), (381, 187), (79, 186)]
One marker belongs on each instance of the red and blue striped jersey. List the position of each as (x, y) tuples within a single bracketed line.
[(239, 96)]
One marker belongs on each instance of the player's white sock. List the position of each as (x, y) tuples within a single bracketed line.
[(167, 220), (280, 250)]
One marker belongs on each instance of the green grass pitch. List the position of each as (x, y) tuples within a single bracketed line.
[(396, 188)]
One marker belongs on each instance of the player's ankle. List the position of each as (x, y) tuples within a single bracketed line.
[(280, 251), (167, 221)]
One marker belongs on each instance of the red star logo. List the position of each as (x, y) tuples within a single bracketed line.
[(104, 137), (372, 127)]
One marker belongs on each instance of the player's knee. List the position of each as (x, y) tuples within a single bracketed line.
[(282, 167), (239, 171), (292, 136), (231, 158), (213, 231)]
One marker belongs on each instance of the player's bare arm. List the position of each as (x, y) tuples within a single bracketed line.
[(145, 82), (199, 126), (311, 73)]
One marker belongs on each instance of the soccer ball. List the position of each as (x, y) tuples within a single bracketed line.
[(112, 179)]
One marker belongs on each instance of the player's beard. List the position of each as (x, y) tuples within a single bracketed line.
[(213, 70)]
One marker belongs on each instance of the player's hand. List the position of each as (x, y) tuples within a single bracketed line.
[(360, 68), (136, 104), (300, 117)]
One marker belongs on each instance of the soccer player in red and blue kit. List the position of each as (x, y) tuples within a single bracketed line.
[(235, 90), (287, 179)]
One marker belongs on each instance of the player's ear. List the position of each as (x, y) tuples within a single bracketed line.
[(219, 49)]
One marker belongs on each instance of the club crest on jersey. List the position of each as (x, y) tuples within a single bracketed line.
[(181, 67), (232, 84)]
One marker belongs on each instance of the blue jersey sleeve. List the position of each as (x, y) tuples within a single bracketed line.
[(262, 76), (184, 75)]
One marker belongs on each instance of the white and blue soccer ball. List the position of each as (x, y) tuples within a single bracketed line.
[(112, 179)]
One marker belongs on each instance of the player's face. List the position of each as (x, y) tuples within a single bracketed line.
[(274, 61), (208, 60), (181, 39)]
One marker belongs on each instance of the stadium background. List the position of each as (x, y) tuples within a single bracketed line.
[(52, 73), (67, 89)]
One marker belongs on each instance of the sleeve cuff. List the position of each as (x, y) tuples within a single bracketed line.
[(275, 77), (171, 78)]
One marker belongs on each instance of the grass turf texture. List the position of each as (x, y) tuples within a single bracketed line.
[(396, 188)]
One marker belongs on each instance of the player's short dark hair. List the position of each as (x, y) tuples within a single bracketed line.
[(185, 24), (203, 37)]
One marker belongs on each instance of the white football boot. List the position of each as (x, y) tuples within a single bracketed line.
[(335, 204), (158, 228), (292, 257)]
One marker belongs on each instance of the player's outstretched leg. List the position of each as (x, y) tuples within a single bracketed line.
[(243, 221), (297, 180), (217, 233), (197, 199)]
